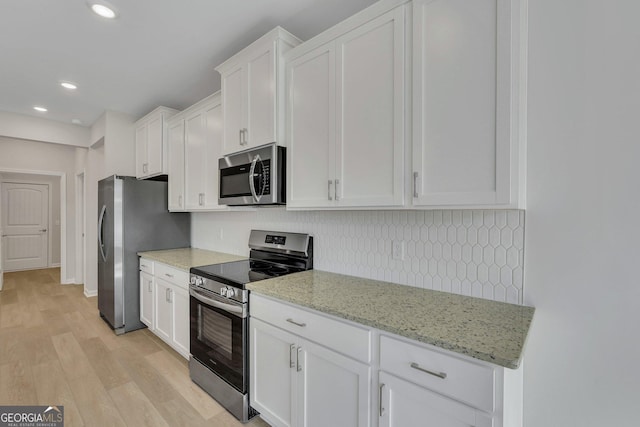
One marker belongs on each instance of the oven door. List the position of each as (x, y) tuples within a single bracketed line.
[(219, 336)]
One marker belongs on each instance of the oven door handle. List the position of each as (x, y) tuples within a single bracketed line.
[(236, 310)]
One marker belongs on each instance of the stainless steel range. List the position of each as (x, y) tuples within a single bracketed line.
[(219, 314)]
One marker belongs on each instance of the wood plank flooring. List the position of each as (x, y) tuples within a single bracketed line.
[(55, 350)]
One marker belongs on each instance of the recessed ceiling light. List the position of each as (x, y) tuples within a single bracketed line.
[(41, 109), (103, 10), (76, 121), (68, 85)]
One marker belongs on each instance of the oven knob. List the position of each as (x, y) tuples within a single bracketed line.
[(231, 292), (199, 281), (192, 280), (223, 292)]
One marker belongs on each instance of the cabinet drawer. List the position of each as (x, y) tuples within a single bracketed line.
[(344, 338), (146, 265), (171, 274), (464, 381)]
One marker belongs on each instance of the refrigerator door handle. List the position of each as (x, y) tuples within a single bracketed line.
[(101, 232)]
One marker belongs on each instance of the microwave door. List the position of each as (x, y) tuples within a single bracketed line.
[(256, 176)]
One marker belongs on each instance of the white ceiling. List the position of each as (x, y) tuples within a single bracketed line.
[(157, 52)]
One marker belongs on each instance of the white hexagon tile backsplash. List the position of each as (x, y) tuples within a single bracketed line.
[(478, 253)]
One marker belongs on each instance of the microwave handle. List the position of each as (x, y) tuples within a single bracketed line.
[(252, 186)]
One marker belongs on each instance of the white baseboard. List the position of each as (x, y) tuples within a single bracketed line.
[(90, 294), (54, 265), (68, 281)]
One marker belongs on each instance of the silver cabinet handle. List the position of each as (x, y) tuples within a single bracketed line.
[(169, 275), (381, 408), (329, 184), (170, 296), (201, 199), (240, 136), (149, 286), (302, 325), (245, 140), (298, 364), (435, 374), (292, 364), (336, 189), (180, 201), (415, 184), (145, 168)]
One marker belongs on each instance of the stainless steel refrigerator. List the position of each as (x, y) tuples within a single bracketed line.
[(132, 217)]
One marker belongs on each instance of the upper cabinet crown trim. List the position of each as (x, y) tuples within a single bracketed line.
[(169, 112), (277, 33)]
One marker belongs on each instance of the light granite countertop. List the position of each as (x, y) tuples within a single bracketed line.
[(486, 330), (185, 258)]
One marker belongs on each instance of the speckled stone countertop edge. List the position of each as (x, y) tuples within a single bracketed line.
[(512, 361), (185, 258)]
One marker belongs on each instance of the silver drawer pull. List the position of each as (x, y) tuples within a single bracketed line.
[(435, 374), (168, 275), (302, 325)]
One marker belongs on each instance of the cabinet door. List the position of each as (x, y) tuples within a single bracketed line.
[(334, 390), (233, 88), (311, 128), (179, 298), (461, 103), (175, 146), (405, 404), (370, 112), (272, 363), (141, 151), (146, 299), (194, 153), (155, 146), (163, 310), (261, 97), (212, 117)]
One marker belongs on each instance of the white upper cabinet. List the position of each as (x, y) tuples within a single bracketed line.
[(151, 143), (467, 95), (175, 145), (203, 148), (195, 145), (346, 114), (252, 92)]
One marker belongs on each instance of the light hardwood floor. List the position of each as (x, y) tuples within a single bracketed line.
[(55, 350)]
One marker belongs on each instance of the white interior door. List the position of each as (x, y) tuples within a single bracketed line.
[(25, 225)]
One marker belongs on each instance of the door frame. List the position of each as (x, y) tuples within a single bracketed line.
[(64, 279), (81, 221)]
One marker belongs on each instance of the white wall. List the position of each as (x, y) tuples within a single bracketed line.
[(54, 213), (25, 155), (14, 125), (94, 165), (583, 209)]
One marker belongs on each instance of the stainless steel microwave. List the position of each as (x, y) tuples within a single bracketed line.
[(253, 177)]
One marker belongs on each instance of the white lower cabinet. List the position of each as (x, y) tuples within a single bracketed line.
[(313, 370), (405, 404), (296, 382), (146, 299), (164, 303)]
